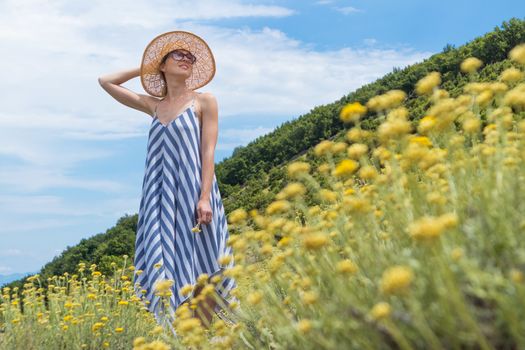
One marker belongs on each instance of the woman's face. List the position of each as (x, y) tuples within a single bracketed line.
[(178, 62)]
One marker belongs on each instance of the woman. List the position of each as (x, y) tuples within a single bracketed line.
[(179, 191)]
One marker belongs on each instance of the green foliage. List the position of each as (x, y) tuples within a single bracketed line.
[(100, 249)]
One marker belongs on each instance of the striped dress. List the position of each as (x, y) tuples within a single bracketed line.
[(168, 211)]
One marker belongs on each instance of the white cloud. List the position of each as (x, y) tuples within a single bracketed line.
[(346, 10), (32, 177)]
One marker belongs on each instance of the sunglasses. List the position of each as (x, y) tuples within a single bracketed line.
[(179, 55)]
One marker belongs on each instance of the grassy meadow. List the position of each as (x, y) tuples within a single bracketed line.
[(414, 241)]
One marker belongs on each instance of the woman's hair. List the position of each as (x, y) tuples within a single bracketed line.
[(161, 62)]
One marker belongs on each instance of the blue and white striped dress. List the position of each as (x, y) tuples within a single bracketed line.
[(168, 211)]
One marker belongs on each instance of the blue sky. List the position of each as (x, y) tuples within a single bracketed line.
[(72, 158)]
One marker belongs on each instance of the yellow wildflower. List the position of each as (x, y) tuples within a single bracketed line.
[(338, 147), (515, 97), (352, 112), (266, 249), (310, 297), (96, 326), (323, 168), (484, 98), (163, 285), (323, 147), (346, 266), (368, 172), (139, 341), (421, 140), (498, 87), (186, 289), (156, 330), (202, 278), (315, 240), (189, 324), (390, 99), (357, 134), (297, 168), (254, 298), (517, 54), (439, 94), (511, 75), (380, 310), (393, 128), (346, 167), (238, 216), (357, 150), (158, 345), (396, 279), (304, 326), (427, 84), (278, 206), (426, 228), (196, 228), (327, 195), (449, 220), (426, 123), (470, 65), (429, 227), (294, 189), (224, 259), (471, 125)]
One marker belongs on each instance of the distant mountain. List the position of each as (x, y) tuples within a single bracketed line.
[(13, 277)]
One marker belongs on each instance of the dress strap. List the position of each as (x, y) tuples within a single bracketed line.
[(193, 100)]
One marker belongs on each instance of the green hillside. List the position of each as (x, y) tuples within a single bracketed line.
[(254, 174)]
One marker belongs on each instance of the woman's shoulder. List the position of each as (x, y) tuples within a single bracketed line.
[(205, 96)]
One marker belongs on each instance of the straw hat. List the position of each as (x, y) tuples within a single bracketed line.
[(203, 68)]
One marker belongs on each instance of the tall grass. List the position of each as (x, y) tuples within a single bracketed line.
[(407, 237)]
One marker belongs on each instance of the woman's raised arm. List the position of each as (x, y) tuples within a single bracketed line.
[(111, 83)]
